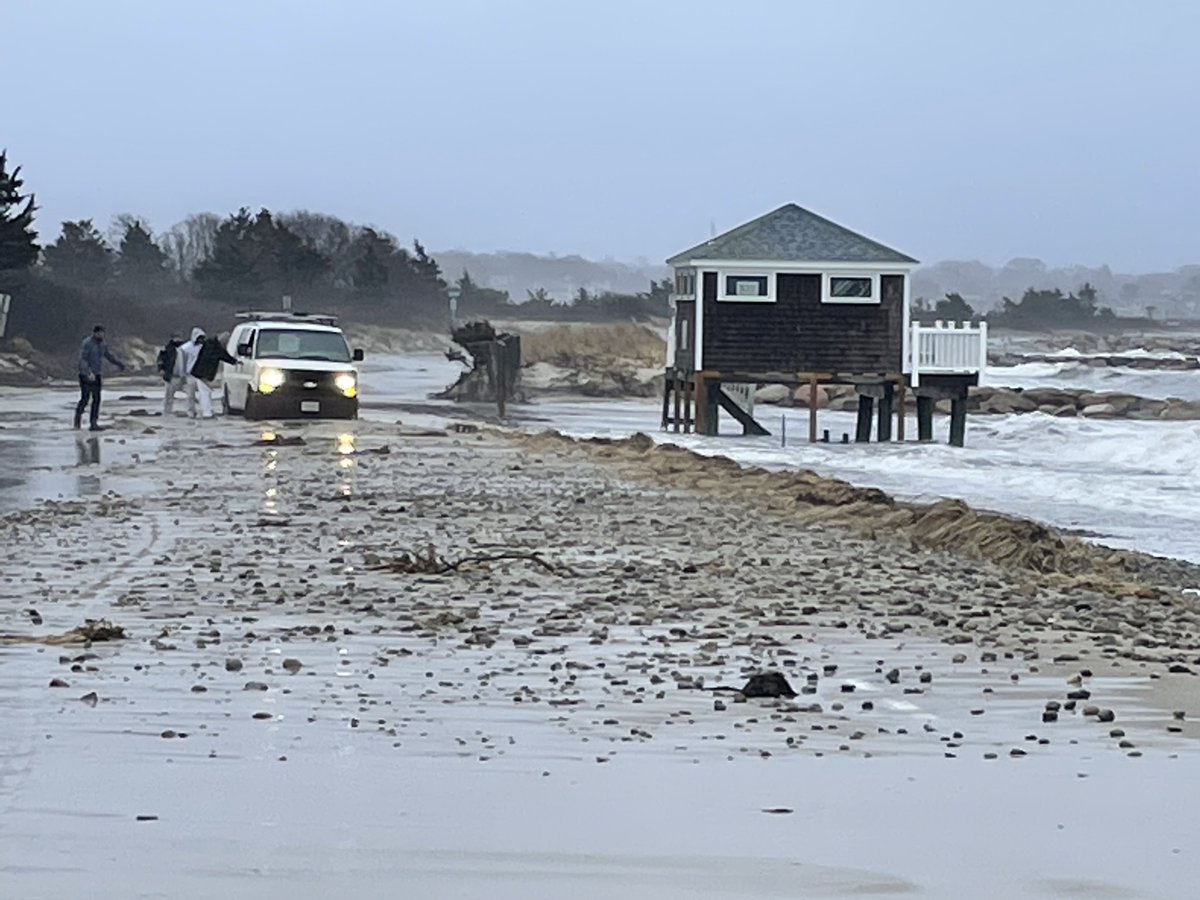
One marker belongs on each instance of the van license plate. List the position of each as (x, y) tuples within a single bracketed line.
[(310, 406)]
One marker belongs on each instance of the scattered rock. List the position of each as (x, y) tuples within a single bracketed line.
[(768, 684)]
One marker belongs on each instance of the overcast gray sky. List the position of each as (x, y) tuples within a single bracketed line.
[(1066, 130)]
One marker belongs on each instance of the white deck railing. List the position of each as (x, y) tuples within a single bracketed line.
[(948, 348)]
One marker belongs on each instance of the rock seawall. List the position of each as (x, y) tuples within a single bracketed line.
[(1058, 402)]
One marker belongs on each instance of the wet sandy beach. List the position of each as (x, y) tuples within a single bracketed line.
[(290, 711)]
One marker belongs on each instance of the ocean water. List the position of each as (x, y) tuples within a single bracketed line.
[(1158, 384), (1126, 484)]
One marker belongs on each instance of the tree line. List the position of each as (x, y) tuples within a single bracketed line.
[(1036, 310), (204, 268)]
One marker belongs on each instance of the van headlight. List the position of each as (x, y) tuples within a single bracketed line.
[(269, 379), (347, 383)]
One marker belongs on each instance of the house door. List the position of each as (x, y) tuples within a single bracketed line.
[(685, 335)]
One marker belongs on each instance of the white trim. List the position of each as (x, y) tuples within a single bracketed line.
[(698, 323), (827, 288), (804, 266), (768, 297), (906, 333), (671, 329)]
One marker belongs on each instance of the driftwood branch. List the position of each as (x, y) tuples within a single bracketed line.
[(429, 562)]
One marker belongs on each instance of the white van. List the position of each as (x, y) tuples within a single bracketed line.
[(294, 366)]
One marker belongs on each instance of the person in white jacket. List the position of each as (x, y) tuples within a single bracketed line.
[(194, 387)]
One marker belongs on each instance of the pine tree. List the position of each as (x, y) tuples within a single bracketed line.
[(230, 271), (374, 253), (141, 262), (18, 240), (256, 259), (80, 256)]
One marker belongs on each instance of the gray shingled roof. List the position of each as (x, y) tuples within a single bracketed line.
[(792, 233)]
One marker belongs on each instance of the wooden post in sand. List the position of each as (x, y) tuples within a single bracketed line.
[(886, 399), (689, 420), (677, 392), (958, 421), (924, 418), (500, 375), (866, 411), (702, 407), (666, 406), (812, 409), (901, 415)]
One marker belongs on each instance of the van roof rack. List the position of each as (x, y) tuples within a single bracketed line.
[(287, 316)]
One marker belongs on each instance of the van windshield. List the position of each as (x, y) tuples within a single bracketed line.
[(326, 346)]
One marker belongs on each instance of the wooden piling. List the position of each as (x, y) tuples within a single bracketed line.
[(707, 400), (886, 399), (924, 418), (812, 409), (958, 421), (866, 411), (689, 420), (901, 412), (677, 400), (666, 398), (712, 407)]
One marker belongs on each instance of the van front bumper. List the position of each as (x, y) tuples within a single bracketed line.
[(288, 402)]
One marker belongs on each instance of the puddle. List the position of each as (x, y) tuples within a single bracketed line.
[(67, 465)]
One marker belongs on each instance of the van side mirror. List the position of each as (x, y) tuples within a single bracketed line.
[(243, 350), (357, 356)]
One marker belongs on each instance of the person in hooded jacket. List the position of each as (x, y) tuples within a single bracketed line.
[(171, 367), (188, 352), (209, 355)]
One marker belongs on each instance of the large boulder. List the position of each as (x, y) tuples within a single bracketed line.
[(1180, 410), (1062, 411), (1000, 401), (1146, 409), (1118, 401), (801, 395), (1048, 396), (1099, 411), (773, 393)]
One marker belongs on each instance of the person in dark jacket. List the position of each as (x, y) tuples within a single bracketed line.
[(204, 368), (171, 367), (92, 354)]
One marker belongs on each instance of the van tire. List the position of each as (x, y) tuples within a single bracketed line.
[(229, 410), (248, 410)]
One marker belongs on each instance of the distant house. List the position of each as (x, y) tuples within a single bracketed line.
[(794, 298)]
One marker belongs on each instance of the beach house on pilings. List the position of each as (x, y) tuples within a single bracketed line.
[(793, 298)]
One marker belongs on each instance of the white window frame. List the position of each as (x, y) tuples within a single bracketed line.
[(725, 274), (875, 299)]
